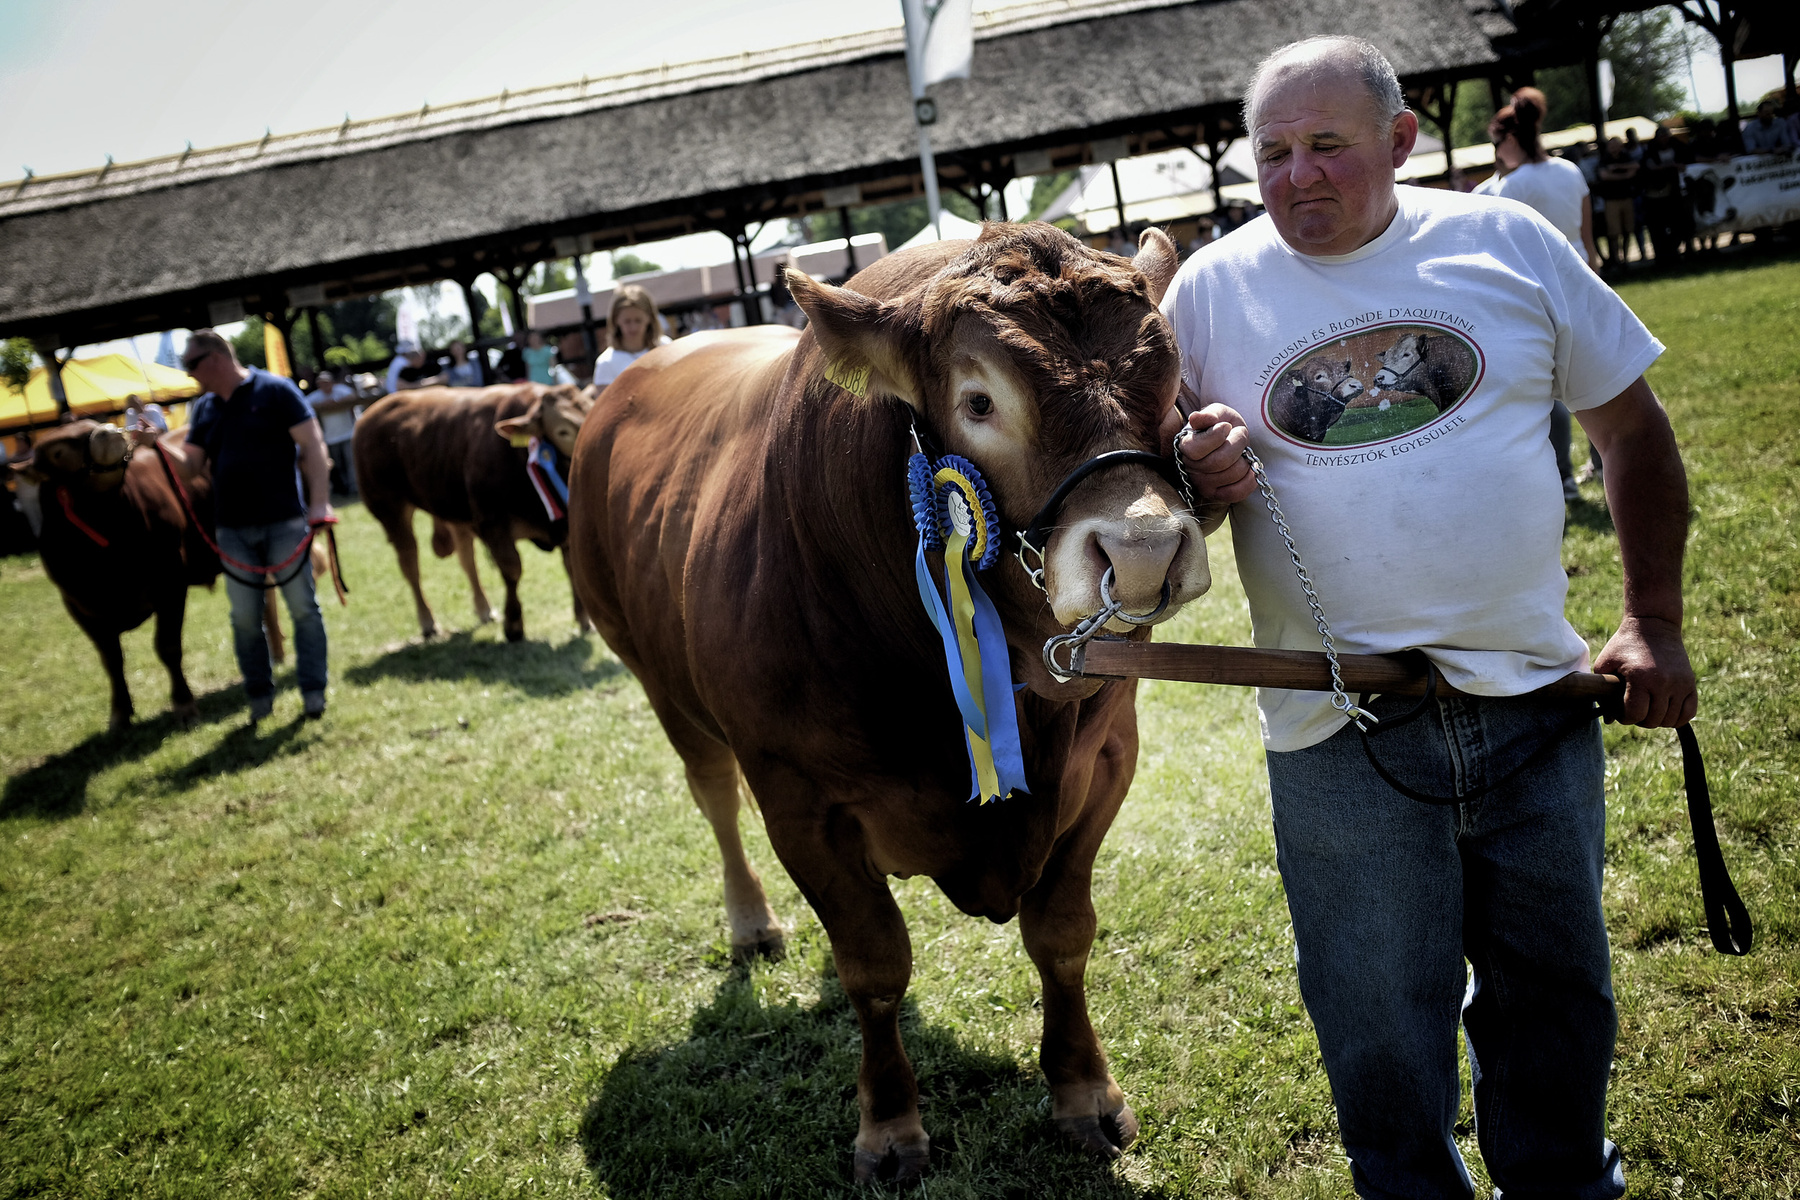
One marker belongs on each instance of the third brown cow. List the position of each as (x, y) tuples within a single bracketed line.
[(463, 456), (742, 534)]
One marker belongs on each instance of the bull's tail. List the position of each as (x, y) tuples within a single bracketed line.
[(443, 542)]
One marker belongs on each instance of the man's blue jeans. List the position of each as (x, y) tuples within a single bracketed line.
[(268, 545), (1388, 897)]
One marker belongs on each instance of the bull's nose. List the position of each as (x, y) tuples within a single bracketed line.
[(1140, 560)]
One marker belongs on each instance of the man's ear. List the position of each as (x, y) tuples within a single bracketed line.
[(1158, 259), (521, 429), (861, 338)]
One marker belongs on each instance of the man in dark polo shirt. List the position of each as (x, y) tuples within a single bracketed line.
[(258, 437)]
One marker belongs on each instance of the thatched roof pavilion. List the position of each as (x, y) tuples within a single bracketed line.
[(303, 219)]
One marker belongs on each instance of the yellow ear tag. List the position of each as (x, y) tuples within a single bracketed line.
[(852, 379), (520, 441)]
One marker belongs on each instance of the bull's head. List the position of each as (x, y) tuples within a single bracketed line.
[(82, 453), (1030, 354), (555, 416), (1399, 359)]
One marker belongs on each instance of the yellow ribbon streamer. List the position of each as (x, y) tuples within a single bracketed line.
[(962, 615)]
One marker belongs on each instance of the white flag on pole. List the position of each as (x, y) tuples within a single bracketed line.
[(940, 40)]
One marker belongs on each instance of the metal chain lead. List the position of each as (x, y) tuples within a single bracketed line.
[(1340, 699)]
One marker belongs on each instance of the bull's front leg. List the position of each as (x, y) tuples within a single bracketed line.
[(171, 613), (1056, 921), (581, 618), (112, 657), (873, 954), (506, 556)]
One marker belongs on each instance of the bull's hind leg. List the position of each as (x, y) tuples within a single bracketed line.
[(464, 537), (1056, 922), (170, 614), (398, 526), (272, 625)]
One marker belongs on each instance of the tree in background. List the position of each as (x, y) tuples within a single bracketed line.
[(248, 342), (1648, 52), (624, 263), (897, 222), (17, 358), (1045, 189)]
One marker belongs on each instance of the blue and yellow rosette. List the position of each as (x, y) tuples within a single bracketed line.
[(954, 512)]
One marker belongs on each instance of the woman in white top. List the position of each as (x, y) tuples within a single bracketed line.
[(1525, 172), (632, 328), (1559, 191)]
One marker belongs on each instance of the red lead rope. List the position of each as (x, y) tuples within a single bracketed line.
[(188, 507), (68, 507)]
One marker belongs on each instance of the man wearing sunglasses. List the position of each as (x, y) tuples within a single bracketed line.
[(256, 435)]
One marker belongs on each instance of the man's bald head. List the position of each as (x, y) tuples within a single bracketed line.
[(1331, 55)]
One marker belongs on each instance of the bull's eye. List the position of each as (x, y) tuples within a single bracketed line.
[(980, 404)]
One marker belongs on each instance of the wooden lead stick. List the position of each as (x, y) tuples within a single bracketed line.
[(1300, 670)]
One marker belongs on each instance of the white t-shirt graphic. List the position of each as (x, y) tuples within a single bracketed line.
[(1400, 396)]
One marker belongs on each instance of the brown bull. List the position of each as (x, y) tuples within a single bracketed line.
[(118, 545), (740, 534), (452, 453)]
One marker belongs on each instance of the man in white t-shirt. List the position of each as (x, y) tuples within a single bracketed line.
[(1392, 355)]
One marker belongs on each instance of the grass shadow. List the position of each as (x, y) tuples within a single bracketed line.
[(57, 787), (1592, 515), (535, 668), (760, 1100), (242, 749)]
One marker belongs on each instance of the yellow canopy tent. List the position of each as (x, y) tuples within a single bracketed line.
[(96, 387)]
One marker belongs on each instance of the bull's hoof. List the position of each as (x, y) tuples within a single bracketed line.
[(1104, 1136), (119, 722), (428, 629), (901, 1164), (773, 948), (486, 616), (515, 633), (185, 714)]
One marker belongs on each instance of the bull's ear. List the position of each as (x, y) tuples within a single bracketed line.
[(1158, 259), (861, 339), (521, 429)]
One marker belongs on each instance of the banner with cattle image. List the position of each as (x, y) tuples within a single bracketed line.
[(1380, 383), (1751, 191)]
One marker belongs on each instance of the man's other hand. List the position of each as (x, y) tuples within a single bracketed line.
[(1660, 691)]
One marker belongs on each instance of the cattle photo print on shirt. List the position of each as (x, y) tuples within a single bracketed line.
[(1379, 383)]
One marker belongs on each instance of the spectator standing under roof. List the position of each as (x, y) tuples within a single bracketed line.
[(633, 326), (1559, 192), (255, 434), (334, 404), (141, 415), (1617, 185), (1765, 133), (464, 370), (1660, 171), (539, 358), (408, 370)]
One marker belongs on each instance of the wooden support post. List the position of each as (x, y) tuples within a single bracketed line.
[(312, 336), (475, 306), (1118, 197), (53, 365), (753, 298), (587, 309), (849, 250)]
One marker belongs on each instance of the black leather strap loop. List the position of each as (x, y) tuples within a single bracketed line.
[(1037, 534)]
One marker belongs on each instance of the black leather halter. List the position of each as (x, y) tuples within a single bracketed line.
[(1036, 537)]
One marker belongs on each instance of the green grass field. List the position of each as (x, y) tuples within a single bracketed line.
[(464, 936)]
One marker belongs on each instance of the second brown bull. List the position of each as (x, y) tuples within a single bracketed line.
[(460, 454)]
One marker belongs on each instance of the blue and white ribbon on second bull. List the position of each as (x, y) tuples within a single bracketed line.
[(546, 481), (954, 512)]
